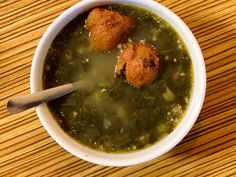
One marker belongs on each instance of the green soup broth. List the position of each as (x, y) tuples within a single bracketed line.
[(110, 115)]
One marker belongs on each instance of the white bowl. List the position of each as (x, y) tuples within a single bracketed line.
[(155, 150)]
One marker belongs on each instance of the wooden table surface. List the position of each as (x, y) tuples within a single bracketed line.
[(209, 149)]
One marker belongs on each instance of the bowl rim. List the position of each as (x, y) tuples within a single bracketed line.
[(159, 148)]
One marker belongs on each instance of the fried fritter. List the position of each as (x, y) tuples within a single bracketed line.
[(138, 64), (108, 28)]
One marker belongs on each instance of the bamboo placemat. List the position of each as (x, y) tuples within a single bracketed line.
[(209, 149)]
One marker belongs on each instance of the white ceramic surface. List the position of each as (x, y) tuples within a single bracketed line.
[(157, 149)]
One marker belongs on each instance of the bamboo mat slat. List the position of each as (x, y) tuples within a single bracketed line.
[(209, 149)]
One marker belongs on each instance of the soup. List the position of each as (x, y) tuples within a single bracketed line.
[(107, 114)]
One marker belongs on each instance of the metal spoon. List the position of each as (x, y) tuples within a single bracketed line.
[(22, 103)]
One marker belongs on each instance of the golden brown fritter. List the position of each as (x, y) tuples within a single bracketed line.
[(108, 28), (139, 64)]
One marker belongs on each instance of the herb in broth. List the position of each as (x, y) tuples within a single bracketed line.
[(110, 115)]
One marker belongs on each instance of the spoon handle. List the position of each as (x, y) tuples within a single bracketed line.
[(22, 103)]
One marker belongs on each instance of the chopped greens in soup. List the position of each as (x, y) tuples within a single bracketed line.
[(107, 113)]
